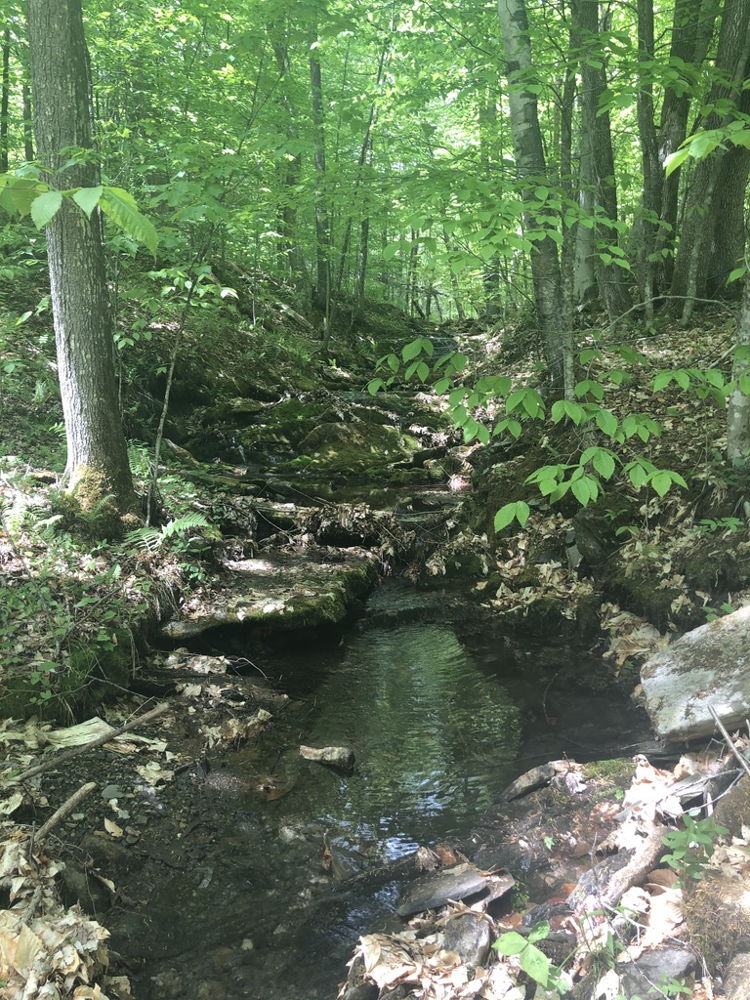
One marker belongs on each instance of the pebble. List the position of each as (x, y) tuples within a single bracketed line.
[(111, 792)]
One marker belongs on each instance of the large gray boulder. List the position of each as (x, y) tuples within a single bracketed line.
[(706, 668)]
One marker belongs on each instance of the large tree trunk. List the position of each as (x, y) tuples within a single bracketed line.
[(610, 276), (531, 166), (651, 201), (702, 214), (97, 465), (692, 27)]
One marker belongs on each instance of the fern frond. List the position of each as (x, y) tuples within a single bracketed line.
[(144, 538), (182, 524)]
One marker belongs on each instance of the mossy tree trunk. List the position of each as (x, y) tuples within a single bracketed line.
[(97, 464)]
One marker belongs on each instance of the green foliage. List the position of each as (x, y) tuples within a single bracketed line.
[(23, 195), (155, 538), (691, 847), (533, 961)]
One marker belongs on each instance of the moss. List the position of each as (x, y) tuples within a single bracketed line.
[(91, 674), (615, 769), (718, 917)]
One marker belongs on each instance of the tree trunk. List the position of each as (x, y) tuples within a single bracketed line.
[(738, 407), (531, 166), (321, 297), (291, 170), (28, 125), (651, 200), (691, 33), (97, 464), (5, 103), (703, 206), (610, 276)]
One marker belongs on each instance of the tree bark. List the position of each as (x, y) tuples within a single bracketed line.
[(691, 33), (291, 171), (738, 407), (532, 168), (702, 219), (610, 276), (651, 200), (5, 103), (97, 463), (321, 297)]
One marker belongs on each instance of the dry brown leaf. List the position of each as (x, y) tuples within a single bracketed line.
[(113, 829)]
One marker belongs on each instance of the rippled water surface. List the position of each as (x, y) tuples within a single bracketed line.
[(439, 725)]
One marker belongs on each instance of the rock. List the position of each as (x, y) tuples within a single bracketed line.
[(470, 936), (431, 891), (737, 979), (78, 886), (111, 792), (279, 592), (733, 810), (708, 667), (340, 758), (646, 976), (717, 911)]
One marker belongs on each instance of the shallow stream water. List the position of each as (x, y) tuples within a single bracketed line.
[(441, 716)]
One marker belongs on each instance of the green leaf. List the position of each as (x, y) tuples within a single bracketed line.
[(539, 932), (606, 421), (675, 160), (120, 207), (604, 463), (520, 512), (393, 363), (375, 385), (45, 207), (584, 490), (88, 198), (661, 481), (441, 385), (412, 350), (511, 943), (536, 964)]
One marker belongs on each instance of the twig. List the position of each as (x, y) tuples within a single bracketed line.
[(67, 807), (743, 763), (62, 758)]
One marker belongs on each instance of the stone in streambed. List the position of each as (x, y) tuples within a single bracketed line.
[(432, 891), (340, 758)]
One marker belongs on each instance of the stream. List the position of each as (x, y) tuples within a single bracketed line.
[(441, 715)]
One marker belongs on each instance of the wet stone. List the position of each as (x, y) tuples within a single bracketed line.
[(470, 936), (431, 891)]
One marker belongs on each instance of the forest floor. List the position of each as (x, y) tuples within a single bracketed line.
[(624, 575)]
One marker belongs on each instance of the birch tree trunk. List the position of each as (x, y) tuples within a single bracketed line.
[(97, 464)]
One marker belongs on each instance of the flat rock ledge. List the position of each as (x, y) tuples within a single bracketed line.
[(279, 591), (706, 668)]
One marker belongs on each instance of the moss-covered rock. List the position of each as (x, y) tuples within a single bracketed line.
[(279, 593)]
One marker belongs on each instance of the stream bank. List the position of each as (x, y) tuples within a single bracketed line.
[(178, 837)]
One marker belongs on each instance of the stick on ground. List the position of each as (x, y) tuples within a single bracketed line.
[(61, 758)]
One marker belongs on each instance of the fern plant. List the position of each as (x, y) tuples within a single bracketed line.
[(151, 539)]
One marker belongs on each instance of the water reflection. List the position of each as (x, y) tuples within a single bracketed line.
[(434, 737)]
